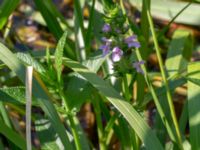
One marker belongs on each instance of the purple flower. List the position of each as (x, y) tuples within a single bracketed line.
[(132, 41), (106, 47), (106, 28), (137, 66), (117, 53)]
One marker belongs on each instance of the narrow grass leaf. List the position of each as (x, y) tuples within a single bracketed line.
[(164, 30), (193, 106), (6, 8), (169, 9), (79, 31), (50, 20), (47, 135), (161, 90), (183, 118), (1, 144), (53, 25), (90, 27), (13, 136), (130, 114), (52, 9), (176, 52)]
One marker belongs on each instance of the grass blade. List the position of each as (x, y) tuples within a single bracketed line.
[(178, 52), (13, 136), (165, 81), (167, 10), (53, 25), (193, 106), (47, 135), (79, 31), (6, 8)]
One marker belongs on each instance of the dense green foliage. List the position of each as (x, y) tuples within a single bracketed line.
[(103, 59)]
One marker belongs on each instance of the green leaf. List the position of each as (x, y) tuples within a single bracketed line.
[(78, 91), (161, 90), (28, 60), (183, 118), (88, 35), (168, 9), (6, 8), (14, 95), (130, 114), (59, 55), (193, 106), (193, 80), (39, 91), (13, 136), (94, 63), (178, 52), (50, 17), (47, 135), (79, 30)]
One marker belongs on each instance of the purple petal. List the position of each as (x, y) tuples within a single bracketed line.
[(134, 44), (130, 38), (106, 28), (105, 52), (102, 47), (142, 62), (117, 53), (105, 49), (139, 70), (137, 66)]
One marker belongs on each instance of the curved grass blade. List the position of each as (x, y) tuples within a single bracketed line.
[(6, 8), (130, 114), (13, 136), (167, 10), (180, 51), (39, 91), (47, 134), (161, 90), (53, 25), (193, 106)]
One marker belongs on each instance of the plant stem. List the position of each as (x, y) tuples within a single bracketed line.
[(155, 98), (72, 121), (100, 130), (5, 115), (125, 87), (108, 132), (169, 97)]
